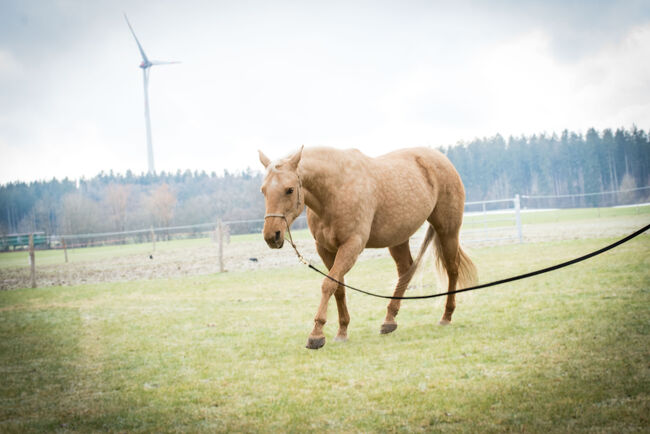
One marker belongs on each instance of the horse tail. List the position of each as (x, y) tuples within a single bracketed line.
[(430, 235), (406, 278), (467, 273)]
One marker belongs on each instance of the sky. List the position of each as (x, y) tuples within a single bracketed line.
[(274, 75)]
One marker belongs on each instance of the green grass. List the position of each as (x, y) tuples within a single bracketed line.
[(563, 352), (555, 216)]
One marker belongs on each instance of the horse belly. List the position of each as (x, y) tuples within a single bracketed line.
[(385, 235), (400, 214)]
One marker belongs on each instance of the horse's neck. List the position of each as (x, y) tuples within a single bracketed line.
[(318, 172)]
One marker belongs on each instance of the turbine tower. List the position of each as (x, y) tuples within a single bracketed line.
[(145, 65)]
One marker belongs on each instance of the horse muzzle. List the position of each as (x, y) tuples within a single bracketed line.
[(274, 239)]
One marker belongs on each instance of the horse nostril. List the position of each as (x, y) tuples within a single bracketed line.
[(277, 236)]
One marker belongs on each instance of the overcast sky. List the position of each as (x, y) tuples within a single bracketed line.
[(272, 75)]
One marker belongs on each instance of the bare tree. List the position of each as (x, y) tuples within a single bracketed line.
[(162, 202), (627, 183), (79, 214), (117, 200)]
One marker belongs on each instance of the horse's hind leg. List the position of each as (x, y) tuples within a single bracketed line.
[(447, 246), (402, 256), (344, 316)]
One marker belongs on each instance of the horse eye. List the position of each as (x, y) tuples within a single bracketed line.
[(289, 190)]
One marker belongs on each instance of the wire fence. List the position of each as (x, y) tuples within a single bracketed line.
[(600, 199), (501, 220), (206, 248), (485, 221), (152, 234)]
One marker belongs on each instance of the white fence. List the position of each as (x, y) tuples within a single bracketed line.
[(500, 220), (589, 200), (501, 223)]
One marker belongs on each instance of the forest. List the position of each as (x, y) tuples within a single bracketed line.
[(491, 168)]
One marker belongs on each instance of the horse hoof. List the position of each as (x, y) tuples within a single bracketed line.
[(387, 328), (315, 343), (340, 338), (444, 322)]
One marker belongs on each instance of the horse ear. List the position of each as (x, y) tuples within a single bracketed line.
[(295, 158), (264, 159)]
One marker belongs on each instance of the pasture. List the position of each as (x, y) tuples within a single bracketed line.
[(562, 352)]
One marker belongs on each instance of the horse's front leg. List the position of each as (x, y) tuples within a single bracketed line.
[(343, 262), (344, 316)]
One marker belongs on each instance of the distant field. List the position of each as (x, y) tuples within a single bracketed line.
[(249, 252), (563, 352), (98, 253)]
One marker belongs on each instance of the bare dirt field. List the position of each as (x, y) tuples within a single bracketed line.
[(202, 258)]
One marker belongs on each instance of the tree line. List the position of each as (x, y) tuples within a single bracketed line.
[(115, 203), (491, 168), (544, 164)]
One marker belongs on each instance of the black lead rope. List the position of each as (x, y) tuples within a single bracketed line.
[(484, 285)]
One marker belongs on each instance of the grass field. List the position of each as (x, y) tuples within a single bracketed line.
[(563, 352)]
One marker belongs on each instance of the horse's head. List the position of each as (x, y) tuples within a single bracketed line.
[(283, 196)]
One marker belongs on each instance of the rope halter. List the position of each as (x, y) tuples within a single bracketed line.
[(284, 217)]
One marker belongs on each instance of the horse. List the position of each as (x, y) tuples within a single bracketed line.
[(355, 202)]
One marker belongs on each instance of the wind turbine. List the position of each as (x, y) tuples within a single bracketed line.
[(145, 65)]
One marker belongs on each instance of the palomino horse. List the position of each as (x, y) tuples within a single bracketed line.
[(354, 202)]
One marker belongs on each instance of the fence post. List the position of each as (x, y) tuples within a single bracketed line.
[(518, 218), (32, 260), (65, 249), (153, 239), (220, 241)]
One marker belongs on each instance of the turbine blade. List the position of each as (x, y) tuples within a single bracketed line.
[(144, 56), (164, 62)]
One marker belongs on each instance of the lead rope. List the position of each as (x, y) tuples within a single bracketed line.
[(471, 288)]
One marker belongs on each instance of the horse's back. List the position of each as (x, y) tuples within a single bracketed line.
[(415, 185), (391, 195), (447, 187), (429, 164), (426, 158), (405, 195)]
